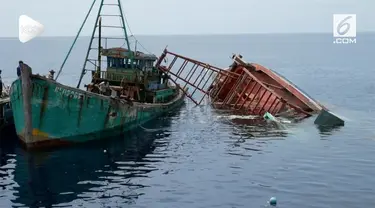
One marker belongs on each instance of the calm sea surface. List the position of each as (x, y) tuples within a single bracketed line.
[(199, 157)]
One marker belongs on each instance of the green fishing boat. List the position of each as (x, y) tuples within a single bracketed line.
[(130, 92)]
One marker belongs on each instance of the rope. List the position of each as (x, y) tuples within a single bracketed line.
[(132, 35), (75, 39)]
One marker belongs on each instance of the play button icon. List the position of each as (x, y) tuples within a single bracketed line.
[(28, 28)]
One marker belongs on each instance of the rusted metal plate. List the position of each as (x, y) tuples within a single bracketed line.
[(249, 88), (195, 75)]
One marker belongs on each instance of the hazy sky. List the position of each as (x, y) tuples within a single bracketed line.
[(63, 17)]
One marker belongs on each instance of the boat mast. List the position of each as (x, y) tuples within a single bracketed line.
[(83, 72), (75, 39), (125, 33), (99, 48), (123, 27)]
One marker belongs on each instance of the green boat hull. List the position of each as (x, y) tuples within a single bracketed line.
[(61, 114)]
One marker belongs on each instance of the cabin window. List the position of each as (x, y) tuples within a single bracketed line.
[(141, 64), (109, 62), (122, 64), (117, 63), (147, 66), (126, 62), (112, 63)]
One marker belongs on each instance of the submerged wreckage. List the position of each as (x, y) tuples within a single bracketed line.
[(249, 88)]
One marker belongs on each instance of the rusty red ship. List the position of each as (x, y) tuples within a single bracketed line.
[(249, 88)]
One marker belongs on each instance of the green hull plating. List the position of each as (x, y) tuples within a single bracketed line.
[(62, 114)]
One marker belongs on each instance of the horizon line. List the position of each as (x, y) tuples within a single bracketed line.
[(196, 34)]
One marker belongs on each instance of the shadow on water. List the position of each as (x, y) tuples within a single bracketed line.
[(107, 168), (325, 131)]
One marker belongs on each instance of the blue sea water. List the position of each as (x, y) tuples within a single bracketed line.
[(200, 157)]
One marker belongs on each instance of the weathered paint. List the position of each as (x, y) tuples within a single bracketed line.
[(66, 114), (245, 87)]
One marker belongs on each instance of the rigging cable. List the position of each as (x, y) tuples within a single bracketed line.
[(132, 35), (71, 47)]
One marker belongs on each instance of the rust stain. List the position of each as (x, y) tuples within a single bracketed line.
[(68, 106), (45, 144), (80, 101), (43, 106), (107, 116), (123, 119), (87, 101), (39, 133)]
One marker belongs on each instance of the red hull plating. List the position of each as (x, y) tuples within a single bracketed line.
[(250, 88)]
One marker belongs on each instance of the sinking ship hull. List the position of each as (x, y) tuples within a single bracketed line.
[(245, 87), (256, 89), (60, 114)]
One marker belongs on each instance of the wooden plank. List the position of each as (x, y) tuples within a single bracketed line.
[(26, 95)]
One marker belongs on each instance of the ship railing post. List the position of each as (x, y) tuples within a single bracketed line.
[(240, 97), (26, 95)]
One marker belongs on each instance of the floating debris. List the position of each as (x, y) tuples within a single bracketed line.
[(273, 201), (270, 117)]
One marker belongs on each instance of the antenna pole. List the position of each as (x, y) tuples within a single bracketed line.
[(71, 47)]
